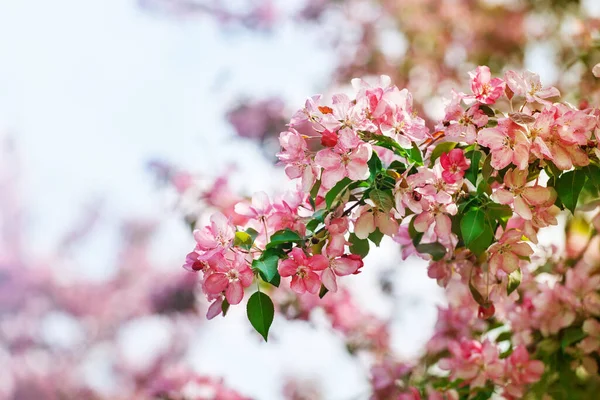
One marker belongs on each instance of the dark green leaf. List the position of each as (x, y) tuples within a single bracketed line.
[(375, 166), (487, 110), (376, 237), (315, 189), (397, 166), (415, 155), (514, 280), (359, 246), (439, 150), (225, 307), (569, 186), (436, 250), (571, 335), (333, 193), (498, 211), (472, 225), (260, 313), (283, 236), (323, 291), (266, 265), (480, 245), (473, 171), (507, 335)]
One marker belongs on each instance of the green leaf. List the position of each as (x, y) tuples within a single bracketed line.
[(397, 166), (225, 307), (359, 246), (473, 171), (333, 193), (476, 295), (569, 186), (439, 150), (375, 166), (472, 225), (315, 189), (317, 218), (571, 335), (504, 336), (514, 280), (260, 313), (243, 240), (383, 199), (487, 110), (486, 169), (376, 237), (415, 155), (283, 236), (498, 211), (481, 244), (436, 250), (266, 265), (323, 291)]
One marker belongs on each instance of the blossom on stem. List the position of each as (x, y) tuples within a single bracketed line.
[(486, 89), (507, 143), (303, 269), (230, 277), (454, 164), (522, 197), (505, 253), (529, 85)]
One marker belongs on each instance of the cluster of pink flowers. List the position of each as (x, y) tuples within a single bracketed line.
[(470, 197)]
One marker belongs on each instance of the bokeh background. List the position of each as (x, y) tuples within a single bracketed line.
[(99, 99)]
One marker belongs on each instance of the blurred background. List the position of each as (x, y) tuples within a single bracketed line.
[(119, 119)]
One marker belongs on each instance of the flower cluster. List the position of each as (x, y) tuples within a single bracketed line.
[(470, 197)]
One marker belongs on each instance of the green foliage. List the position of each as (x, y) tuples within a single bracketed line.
[(266, 266), (359, 246), (568, 186), (260, 311), (333, 193)]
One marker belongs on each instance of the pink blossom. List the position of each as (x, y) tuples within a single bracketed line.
[(529, 85), (371, 218), (591, 343), (455, 164), (214, 238), (522, 197), (507, 143), (486, 89), (231, 278), (475, 362), (338, 265), (505, 253), (302, 270), (520, 370), (347, 159)]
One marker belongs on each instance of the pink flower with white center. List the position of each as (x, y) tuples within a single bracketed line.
[(520, 370), (295, 158), (214, 238), (347, 159), (583, 283), (437, 218), (259, 208), (415, 191), (548, 144), (486, 89), (444, 190), (504, 254), (460, 125), (520, 196), (507, 143), (371, 218), (303, 269), (553, 309), (591, 343), (397, 119), (529, 85), (474, 362), (338, 265), (230, 277), (454, 164)]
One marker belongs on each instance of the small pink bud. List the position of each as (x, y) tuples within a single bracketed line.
[(329, 139)]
